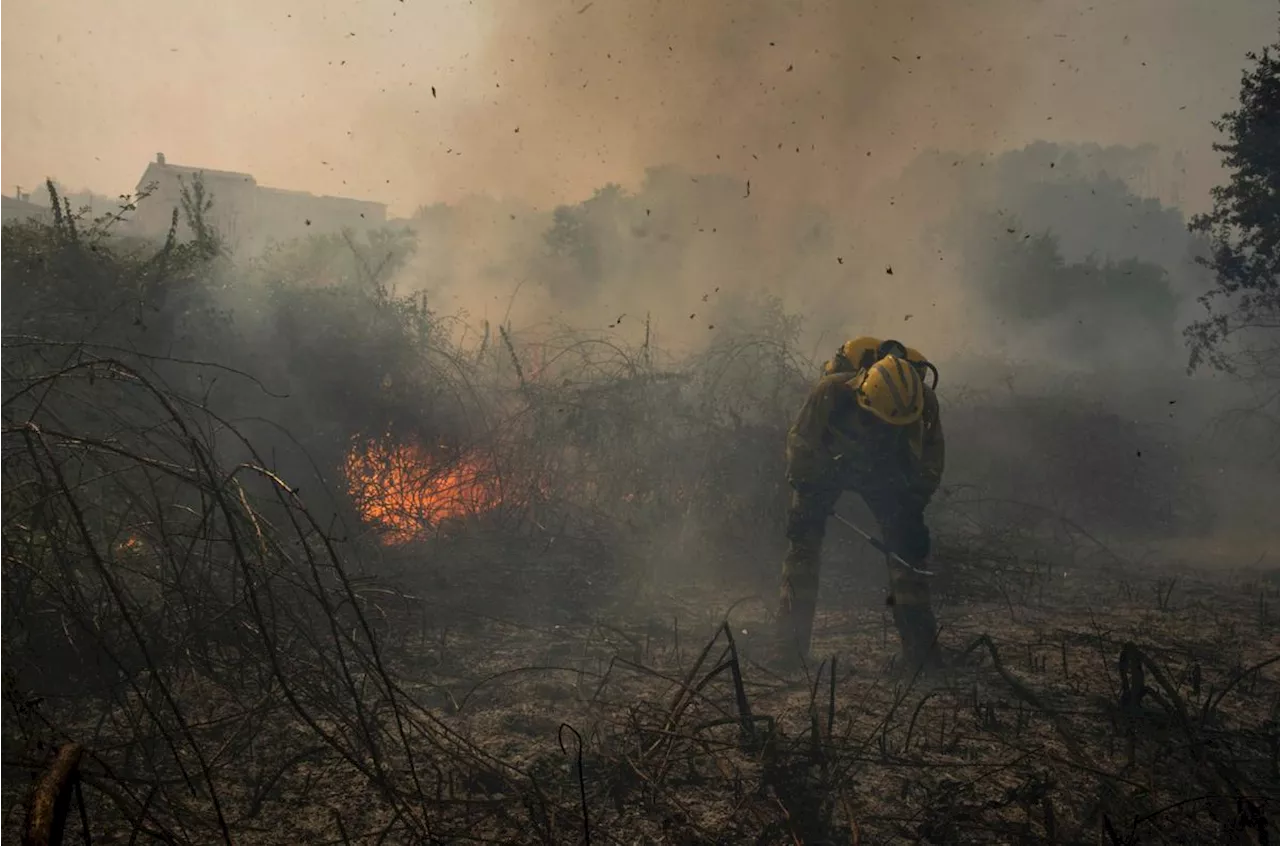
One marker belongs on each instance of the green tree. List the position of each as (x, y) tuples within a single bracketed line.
[(75, 279), (1239, 333), (585, 244), (1085, 310)]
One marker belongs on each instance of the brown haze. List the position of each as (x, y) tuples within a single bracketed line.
[(804, 104), (818, 105), (808, 100), (336, 97)]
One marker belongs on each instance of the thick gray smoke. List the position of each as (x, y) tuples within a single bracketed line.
[(1051, 287), (660, 170)]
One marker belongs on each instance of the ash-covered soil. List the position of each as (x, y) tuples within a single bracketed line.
[(1098, 701), (542, 695)]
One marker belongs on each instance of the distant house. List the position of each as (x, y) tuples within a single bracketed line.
[(247, 215), (19, 208)]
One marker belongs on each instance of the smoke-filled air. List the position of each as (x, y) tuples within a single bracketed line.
[(638, 421)]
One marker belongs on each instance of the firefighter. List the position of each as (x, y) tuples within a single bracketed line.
[(871, 426)]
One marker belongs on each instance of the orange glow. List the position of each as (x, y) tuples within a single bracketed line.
[(130, 544), (405, 492)]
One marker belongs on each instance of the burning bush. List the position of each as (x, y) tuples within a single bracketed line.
[(406, 492)]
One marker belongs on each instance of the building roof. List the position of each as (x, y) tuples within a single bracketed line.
[(21, 204), (16, 208), (308, 196), (158, 169)]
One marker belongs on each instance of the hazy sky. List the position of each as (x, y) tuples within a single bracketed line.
[(544, 100)]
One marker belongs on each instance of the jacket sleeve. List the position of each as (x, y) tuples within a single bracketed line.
[(808, 459), (933, 451)]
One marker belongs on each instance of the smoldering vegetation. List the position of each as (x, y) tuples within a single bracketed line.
[(468, 529)]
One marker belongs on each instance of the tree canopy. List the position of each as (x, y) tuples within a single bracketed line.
[(1239, 333)]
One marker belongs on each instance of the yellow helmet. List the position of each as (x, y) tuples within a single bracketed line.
[(862, 352), (852, 356), (893, 391)]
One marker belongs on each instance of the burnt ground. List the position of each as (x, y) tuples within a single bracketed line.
[(547, 695), (1099, 701)]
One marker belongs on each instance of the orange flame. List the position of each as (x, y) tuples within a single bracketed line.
[(405, 492), (132, 543)]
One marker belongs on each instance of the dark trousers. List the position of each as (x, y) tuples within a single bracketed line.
[(902, 528)]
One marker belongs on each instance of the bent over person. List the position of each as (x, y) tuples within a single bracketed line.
[(871, 426)]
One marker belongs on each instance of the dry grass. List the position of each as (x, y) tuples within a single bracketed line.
[(1115, 707)]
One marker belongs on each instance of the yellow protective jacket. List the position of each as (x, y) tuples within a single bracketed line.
[(828, 446)]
